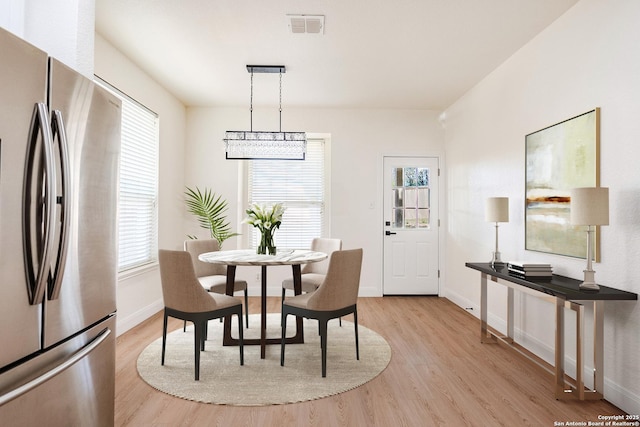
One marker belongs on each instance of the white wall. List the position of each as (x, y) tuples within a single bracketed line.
[(359, 139), (12, 16), (140, 296), (588, 58), (62, 28)]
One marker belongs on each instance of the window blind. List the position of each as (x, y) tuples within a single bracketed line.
[(297, 184), (138, 185)]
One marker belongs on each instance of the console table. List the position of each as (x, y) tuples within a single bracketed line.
[(563, 292)]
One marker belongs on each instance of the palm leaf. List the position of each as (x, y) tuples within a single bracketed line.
[(210, 211)]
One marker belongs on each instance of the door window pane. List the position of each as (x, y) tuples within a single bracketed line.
[(411, 197), (423, 218), (423, 177), (410, 177), (398, 178), (423, 198), (398, 198), (410, 218), (398, 218)]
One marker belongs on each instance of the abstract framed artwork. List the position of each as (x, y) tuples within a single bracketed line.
[(560, 157)]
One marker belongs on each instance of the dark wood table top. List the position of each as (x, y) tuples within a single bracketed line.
[(558, 286)]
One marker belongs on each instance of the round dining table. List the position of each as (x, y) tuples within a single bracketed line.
[(249, 257)]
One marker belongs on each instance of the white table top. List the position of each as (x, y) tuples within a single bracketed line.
[(249, 257)]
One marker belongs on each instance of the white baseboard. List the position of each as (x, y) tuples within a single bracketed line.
[(123, 324), (624, 399)]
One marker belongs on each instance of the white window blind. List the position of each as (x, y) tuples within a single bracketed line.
[(138, 186), (297, 184)]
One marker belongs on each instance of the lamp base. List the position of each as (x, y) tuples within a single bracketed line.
[(589, 281), (496, 261)]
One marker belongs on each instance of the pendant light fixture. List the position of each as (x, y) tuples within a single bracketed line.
[(264, 145)]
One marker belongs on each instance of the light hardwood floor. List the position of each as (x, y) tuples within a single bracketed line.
[(439, 374)]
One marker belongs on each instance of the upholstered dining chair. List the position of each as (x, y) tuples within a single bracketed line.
[(184, 298), (336, 296), (213, 277), (313, 273)]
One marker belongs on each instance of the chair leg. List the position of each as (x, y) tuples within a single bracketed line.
[(240, 336), (197, 341), (282, 303), (355, 322), (222, 318), (164, 337), (202, 336), (246, 305), (283, 323), (323, 344)]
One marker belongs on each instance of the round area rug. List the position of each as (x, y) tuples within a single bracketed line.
[(263, 381)]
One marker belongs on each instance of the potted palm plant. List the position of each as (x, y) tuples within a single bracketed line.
[(210, 210)]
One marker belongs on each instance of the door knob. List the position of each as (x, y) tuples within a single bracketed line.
[(388, 233)]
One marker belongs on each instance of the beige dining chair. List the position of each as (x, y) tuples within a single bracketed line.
[(313, 273), (184, 298), (336, 296), (213, 277)]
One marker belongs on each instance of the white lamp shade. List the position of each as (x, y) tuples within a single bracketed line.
[(590, 206), (497, 209)]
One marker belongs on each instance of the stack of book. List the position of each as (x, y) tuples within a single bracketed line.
[(530, 270)]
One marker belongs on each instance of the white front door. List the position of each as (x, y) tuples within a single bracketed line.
[(411, 225)]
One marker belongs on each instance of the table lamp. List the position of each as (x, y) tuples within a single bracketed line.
[(589, 206), (497, 210)]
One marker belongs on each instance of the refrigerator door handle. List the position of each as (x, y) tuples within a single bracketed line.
[(69, 362), (43, 184), (58, 130)]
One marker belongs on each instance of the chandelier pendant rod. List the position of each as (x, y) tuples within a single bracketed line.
[(280, 100), (251, 105)]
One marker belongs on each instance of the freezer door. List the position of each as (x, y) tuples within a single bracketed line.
[(23, 77), (72, 384), (86, 133)]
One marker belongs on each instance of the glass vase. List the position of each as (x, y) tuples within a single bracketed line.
[(266, 246)]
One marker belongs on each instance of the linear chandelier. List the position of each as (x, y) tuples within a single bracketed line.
[(265, 145)]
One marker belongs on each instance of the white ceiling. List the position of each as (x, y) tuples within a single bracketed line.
[(416, 54)]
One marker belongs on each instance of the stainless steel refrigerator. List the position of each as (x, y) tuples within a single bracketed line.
[(59, 153)]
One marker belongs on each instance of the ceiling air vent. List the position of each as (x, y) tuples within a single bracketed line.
[(306, 24)]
